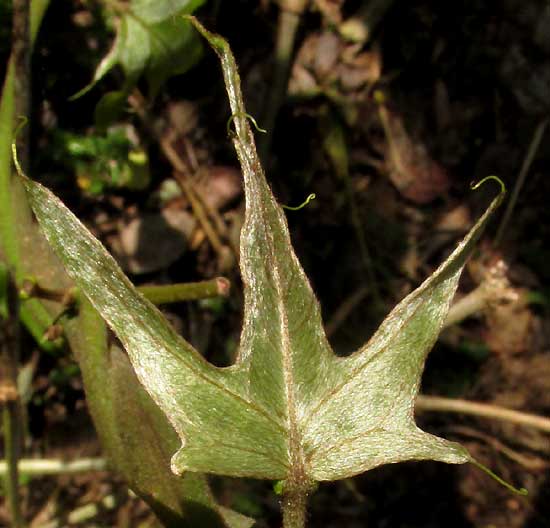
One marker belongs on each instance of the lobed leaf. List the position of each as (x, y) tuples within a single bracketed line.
[(289, 408)]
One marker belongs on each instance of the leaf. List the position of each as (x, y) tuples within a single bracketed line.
[(415, 174), (110, 108), (109, 378), (4, 280), (151, 41), (135, 434), (174, 50), (18, 233), (155, 11), (289, 408)]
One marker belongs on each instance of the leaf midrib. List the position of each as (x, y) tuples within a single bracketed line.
[(207, 377), (295, 444)]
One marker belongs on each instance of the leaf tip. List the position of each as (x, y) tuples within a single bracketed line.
[(216, 41)]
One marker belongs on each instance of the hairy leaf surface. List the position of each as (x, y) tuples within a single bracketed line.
[(288, 408)]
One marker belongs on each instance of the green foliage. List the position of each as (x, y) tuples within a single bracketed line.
[(4, 282), (102, 161), (289, 409), (136, 435), (150, 42), (18, 235), (62, 375)]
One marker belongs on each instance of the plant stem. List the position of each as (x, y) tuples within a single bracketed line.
[(226, 258), (9, 398), (294, 507), (435, 403), (30, 288), (335, 146), (163, 294), (472, 303), (527, 162), (20, 54), (364, 250), (15, 102), (42, 466), (494, 289), (186, 291), (11, 445), (287, 26)]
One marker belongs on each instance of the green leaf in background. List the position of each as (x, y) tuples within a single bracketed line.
[(110, 108), (4, 282), (141, 455), (150, 41), (136, 435), (289, 409), (99, 161), (22, 246)]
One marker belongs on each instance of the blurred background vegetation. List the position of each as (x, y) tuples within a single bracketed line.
[(386, 111)]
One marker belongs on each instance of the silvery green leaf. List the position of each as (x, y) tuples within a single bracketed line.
[(288, 408)]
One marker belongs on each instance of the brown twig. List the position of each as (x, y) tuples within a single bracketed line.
[(84, 514), (30, 288), (529, 462), (293, 6), (211, 212), (329, 11), (485, 410), (471, 304), (494, 289), (198, 208), (138, 103)]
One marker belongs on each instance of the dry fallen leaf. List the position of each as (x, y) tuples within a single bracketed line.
[(152, 242), (411, 169)]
